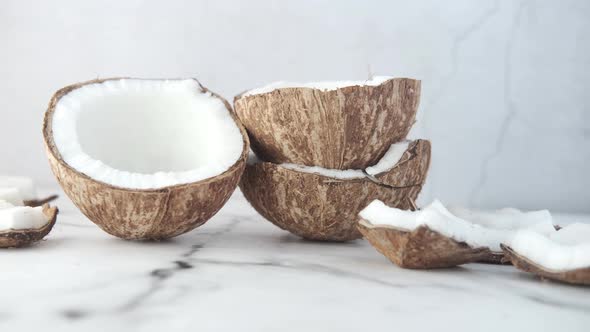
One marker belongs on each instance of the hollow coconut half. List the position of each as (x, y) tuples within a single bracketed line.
[(20, 190), (436, 238), (144, 159), (335, 125), (322, 204), (563, 255), (24, 225)]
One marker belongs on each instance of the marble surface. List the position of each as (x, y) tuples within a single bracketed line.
[(240, 273)]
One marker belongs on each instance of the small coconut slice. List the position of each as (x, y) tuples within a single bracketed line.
[(320, 204), (20, 190), (434, 237), (563, 255), (145, 159), (24, 225), (335, 125)]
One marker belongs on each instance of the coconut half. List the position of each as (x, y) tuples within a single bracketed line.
[(144, 159), (563, 255), (434, 237), (321, 204), (335, 125), (23, 225), (20, 190)]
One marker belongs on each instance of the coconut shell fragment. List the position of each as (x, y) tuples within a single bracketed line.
[(40, 201), (319, 207), (143, 214), (23, 237), (579, 276), (346, 128), (421, 248)]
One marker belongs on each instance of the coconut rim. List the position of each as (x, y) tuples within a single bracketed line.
[(51, 148), (50, 213), (318, 90), (406, 156), (512, 254)]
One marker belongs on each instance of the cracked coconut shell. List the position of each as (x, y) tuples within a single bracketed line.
[(143, 214), (421, 248), (40, 201), (346, 128), (13, 238), (577, 276), (319, 207)]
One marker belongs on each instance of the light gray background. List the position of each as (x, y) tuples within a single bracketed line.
[(505, 83)]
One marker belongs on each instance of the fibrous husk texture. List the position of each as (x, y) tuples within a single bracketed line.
[(578, 276), (347, 128), (317, 207), (23, 237), (148, 213), (421, 248)]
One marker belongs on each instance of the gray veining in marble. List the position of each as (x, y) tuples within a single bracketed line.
[(239, 272)]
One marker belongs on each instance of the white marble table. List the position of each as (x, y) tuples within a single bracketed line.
[(239, 272)]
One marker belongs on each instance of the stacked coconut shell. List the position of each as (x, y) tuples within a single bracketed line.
[(303, 137)]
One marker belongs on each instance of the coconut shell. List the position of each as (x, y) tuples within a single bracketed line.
[(577, 276), (40, 201), (143, 214), (421, 248), (495, 258), (23, 237), (318, 207), (347, 128)]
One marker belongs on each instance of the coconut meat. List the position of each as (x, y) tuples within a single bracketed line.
[(324, 86), (507, 218), (439, 219), (566, 249), (21, 217), (145, 134), (23, 185), (11, 195), (387, 162)]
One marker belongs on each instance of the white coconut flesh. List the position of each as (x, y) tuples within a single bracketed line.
[(21, 217), (11, 195), (476, 232), (324, 86), (24, 186), (387, 162), (145, 134), (564, 250)]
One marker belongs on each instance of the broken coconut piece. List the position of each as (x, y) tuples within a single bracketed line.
[(509, 219), (563, 255), (434, 237), (20, 190), (335, 125), (145, 159), (320, 204), (24, 225)]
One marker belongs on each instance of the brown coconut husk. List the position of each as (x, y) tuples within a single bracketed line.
[(577, 276), (421, 248), (348, 128), (318, 207), (23, 237), (146, 214), (40, 201)]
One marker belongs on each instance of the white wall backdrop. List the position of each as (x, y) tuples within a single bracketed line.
[(505, 83)]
